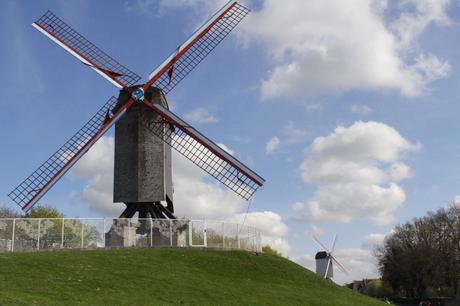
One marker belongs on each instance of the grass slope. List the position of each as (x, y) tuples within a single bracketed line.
[(163, 277)]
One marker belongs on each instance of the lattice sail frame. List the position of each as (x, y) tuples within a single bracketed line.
[(36, 184), (77, 45), (166, 76), (194, 50), (205, 153)]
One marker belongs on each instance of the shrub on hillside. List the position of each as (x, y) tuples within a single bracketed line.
[(268, 250)]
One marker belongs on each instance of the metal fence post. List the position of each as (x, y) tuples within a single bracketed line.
[(103, 233), (255, 239), (190, 242), (204, 235), (223, 235), (238, 235), (129, 232), (170, 233), (82, 228), (259, 241), (12, 238), (38, 236), (151, 232), (62, 234), (249, 238)]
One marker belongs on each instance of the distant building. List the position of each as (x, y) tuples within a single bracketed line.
[(360, 285)]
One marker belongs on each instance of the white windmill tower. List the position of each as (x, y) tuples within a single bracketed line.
[(325, 260)]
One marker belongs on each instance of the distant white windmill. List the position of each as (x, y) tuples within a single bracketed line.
[(324, 260)]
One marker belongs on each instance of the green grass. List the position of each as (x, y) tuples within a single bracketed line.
[(164, 277)]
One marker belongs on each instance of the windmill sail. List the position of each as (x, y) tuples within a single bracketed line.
[(41, 180), (184, 139), (77, 45), (339, 265), (205, 154), (188, 55)]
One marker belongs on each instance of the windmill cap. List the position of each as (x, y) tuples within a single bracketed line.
[(321, 255)]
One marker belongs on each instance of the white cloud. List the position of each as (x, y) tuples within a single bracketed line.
[(360, 263), (98, 193), (324, 46), (293, 133), (455, 202), (416, 17), (271, 226), (315, 231), (195, 197), (307, 260), (279, 244), (361, 109), (371, 241), (96, 166), (356, 170), (399, 171), (229, 151), (99, 160), (272, 145), (200, 116), (268, 222)]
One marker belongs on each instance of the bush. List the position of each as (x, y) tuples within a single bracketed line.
[(268, 250)]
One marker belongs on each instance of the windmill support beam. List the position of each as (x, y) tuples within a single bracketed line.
[(154, 210)]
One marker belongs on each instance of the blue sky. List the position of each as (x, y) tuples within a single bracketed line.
[(385, 72)]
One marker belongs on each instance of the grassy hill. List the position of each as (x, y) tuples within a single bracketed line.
[(163, 277)]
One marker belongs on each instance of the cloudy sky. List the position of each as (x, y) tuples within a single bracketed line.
[(347, 108)]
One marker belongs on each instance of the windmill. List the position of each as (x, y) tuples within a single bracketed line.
[(325, 260), (145, 128)]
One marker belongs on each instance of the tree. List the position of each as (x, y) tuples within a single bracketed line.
[(43, 212), (6, 212), (423, 254), (378, 288)]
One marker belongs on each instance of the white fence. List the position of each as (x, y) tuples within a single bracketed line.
[(23, 234)]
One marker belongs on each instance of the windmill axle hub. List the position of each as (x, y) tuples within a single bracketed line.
[(138, 95)]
